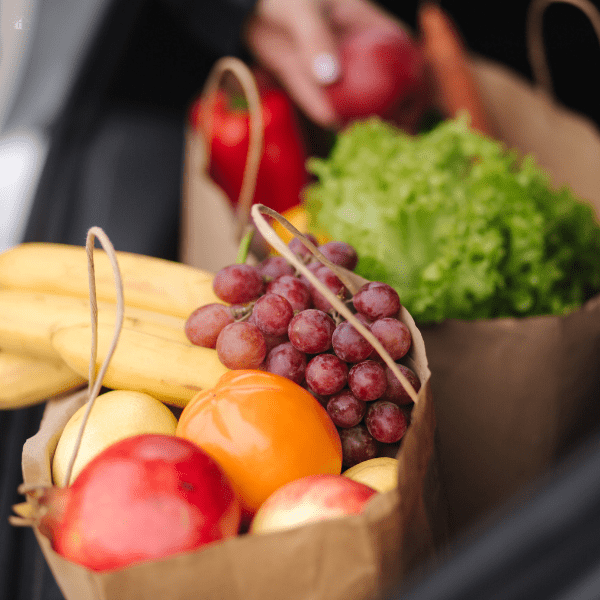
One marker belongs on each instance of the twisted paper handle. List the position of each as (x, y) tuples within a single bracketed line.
[(258, 210), (95, 378), (29, 513), (535, 42), (247, 82)]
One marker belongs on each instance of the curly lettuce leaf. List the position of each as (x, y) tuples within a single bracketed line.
[(461, 227)]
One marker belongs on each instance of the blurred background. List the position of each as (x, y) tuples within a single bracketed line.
[(94, 98)]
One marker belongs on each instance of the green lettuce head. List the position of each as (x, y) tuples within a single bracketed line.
[(461, 227)]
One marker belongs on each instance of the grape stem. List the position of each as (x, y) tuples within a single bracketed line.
[(242, 313), (244, 247)]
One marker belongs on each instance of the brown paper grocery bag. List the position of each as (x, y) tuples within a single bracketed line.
[(211, 230), (355, 557), (512, 395)]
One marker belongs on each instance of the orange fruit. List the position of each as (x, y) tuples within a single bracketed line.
[(264, 430)]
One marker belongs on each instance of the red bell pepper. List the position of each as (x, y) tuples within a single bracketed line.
[(282, 172)]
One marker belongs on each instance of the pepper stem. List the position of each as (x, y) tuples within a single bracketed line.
[(237, 102)]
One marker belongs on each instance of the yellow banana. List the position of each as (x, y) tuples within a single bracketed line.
[(28, 319), (151, 283), (27, 380), (166, 369)]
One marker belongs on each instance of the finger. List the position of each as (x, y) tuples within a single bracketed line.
[(349, 16), (282, 61), (296, 44), (303, 26), (310, 97), (325, 68), (316, 43)]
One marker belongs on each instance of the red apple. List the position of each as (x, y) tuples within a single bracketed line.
[(309, 499), (382, 73), (143, 498)]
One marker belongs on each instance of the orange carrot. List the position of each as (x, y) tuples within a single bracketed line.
[(446, 54)]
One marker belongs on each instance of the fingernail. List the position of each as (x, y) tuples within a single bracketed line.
[(325, 68)]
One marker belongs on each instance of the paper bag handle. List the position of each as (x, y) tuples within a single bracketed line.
[(535, 42), (95, 378), (247, 81), (269, 234)]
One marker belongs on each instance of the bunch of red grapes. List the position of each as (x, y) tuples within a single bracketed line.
[(276, 320)]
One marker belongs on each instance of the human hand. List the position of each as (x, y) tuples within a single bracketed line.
[(297, 42)]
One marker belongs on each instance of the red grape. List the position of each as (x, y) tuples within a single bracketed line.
[(275, 319), (298, 247), (274, 340), (241, 345), (390, 450), (238, 284), (394, 336), (204, 325), (287, 361), (272, 314), (386, 421), (321, 399), (364, 320), (367, 380), (310, 331), (274, 266), (326, 374), (345, 409), (313, 266), (293, 290), (331, 281), (395, 392), (358, 445), (340, 253), (376, 300), (349, 344)]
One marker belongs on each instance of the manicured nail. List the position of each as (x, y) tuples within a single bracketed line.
[(325, 68)]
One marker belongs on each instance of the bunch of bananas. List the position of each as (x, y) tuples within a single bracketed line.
[(45, 325)]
